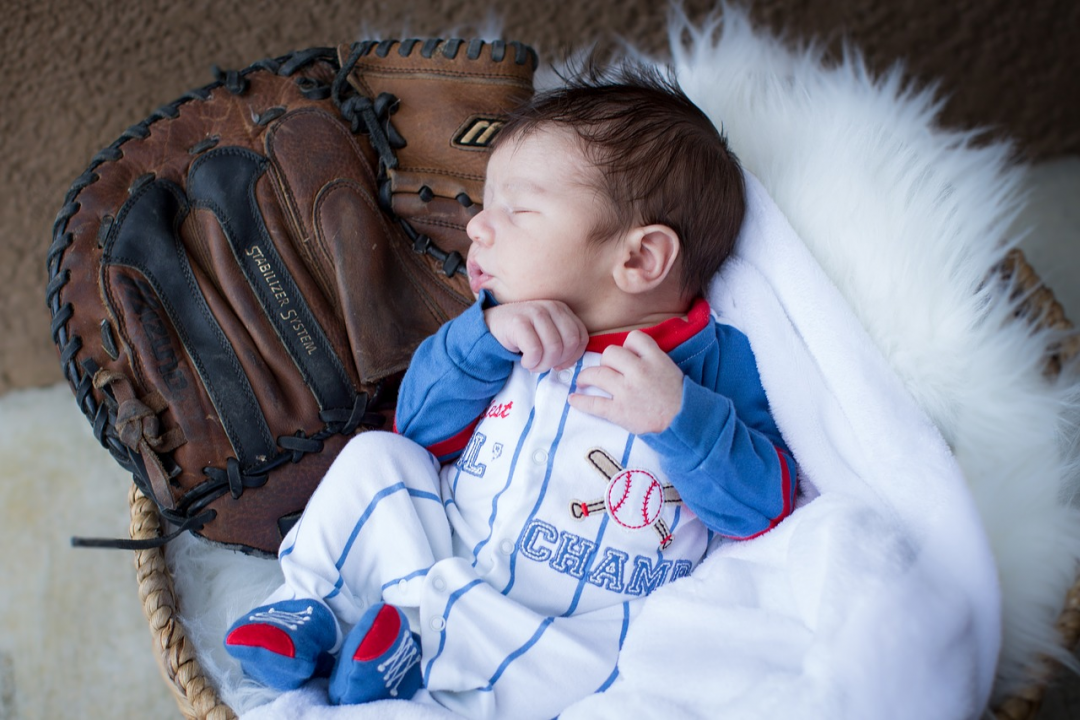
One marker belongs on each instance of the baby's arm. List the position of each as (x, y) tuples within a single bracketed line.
[(455, 373), (712, 426), (452, 378)]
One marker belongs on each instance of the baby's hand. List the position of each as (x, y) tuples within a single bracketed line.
[(547, 333), (645, 386)]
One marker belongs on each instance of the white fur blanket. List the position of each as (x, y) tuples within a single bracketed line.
[(875, 330)]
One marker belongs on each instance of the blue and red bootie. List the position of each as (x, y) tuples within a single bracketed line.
[(379, 660), (285, 644)]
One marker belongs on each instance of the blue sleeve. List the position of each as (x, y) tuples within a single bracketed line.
[(723, 451), (451, 379)]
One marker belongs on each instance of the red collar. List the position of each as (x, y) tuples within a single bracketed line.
[(668, 334)]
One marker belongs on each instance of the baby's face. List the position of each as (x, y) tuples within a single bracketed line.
[(531, 241)]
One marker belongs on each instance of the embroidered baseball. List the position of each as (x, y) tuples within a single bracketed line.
[(635, 498)]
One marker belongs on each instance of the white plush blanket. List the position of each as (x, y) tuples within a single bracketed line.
[(881, 346)]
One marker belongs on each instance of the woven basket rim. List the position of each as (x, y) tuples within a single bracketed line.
[(193, 691)]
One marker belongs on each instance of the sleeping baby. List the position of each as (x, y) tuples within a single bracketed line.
[(563, 448)]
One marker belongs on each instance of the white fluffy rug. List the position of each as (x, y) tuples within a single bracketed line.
[(908, 220), (73, 639)]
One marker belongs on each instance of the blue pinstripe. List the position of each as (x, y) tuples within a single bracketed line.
[(457, 476), (622, 638), (410, 576), (379, 496), (678, 516), (547, 479), (518, 653), (454, 597), (509, 478), (288, 550)]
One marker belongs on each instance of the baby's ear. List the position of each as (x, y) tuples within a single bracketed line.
[(649, 254)]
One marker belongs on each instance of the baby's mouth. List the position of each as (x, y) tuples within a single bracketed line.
[(477, 276)]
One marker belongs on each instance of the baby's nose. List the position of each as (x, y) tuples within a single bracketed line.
[(478, 229)]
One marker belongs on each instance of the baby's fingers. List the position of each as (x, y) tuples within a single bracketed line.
[(599, 376), (561, 342), (528, 342), (574, 338), (549, 343), (591, 404)]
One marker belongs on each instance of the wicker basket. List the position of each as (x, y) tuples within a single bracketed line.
[(197, 697), (193, 691)]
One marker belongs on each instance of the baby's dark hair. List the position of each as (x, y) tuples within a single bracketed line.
[(661, 159)]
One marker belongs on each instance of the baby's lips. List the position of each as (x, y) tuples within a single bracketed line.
[(474, 281), (476, 276)]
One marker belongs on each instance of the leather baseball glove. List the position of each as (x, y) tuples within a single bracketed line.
[(239, 281)]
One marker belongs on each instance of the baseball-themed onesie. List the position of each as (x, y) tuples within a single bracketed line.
[(519, 536)]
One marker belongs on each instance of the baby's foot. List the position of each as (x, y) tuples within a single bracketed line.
[(380, 659), (284, 644)]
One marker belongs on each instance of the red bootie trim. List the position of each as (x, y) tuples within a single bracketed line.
[(263, 636), (381, 636)]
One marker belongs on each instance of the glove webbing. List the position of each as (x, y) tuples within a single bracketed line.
[(374, 118)]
